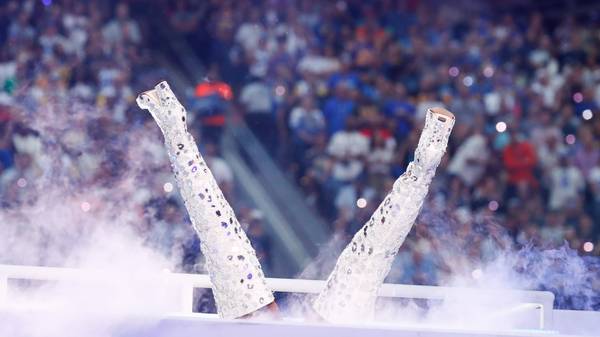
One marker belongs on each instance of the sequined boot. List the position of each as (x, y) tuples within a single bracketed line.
[(238, 282), (351, 289)]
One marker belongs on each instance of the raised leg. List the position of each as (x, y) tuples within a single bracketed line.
[(238, 282), (352, 287)]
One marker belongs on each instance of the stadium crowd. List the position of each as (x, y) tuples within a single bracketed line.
[(346, 85), (336, 91), (69, 125)]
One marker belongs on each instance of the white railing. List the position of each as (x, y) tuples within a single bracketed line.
[(542, 301)]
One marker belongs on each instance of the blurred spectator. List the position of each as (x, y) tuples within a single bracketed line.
[(339, 107), (380, 156), (122, 29), (553, 234), (209, 106), (307, 124), (250, 32), (315, 63), (6, 153), (587, 153), (520, 161), (567, 184), (348, 142), (470, 160), (258, 102)]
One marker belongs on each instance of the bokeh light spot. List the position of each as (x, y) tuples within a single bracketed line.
[(22, 182), (361, 203), (453, 71), (168, 187), (587, 114), (588, 247), (85, 206), (468, 81), (280, 90), (578, 97), (488, 71), (501, 127), (493, 205), (570, 139)]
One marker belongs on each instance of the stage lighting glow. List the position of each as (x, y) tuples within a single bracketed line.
[(587, 114), (577, 97), (22, 182), (488, 71), (501, 127), (361, 203), (468, 81), (477, 274), (493, 205), (570, 139), (85, 206), (588, 247), (453, 71), (168, 187)]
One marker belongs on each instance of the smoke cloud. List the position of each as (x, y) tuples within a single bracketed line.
[(83, 203)]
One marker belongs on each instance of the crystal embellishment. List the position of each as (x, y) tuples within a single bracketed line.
[(351, 290), (206, 204)]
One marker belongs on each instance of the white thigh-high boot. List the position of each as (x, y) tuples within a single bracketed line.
[(352, 287), (238, 282)]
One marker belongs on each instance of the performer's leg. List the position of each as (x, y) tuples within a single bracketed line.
[(238, 282), (352, 287)]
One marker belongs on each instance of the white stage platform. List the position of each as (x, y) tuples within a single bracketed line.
[(18, 316)]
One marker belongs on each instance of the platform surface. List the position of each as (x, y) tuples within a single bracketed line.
[(34, 324)]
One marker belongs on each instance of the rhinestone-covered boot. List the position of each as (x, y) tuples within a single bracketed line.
[(237, 279), (351, 289)]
